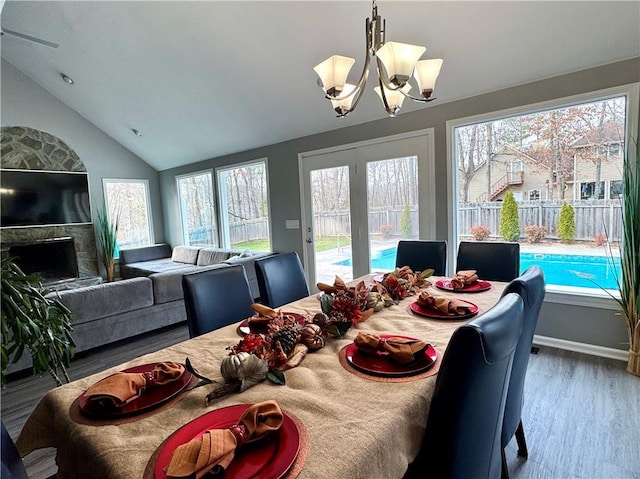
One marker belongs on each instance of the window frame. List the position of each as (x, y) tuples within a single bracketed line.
[(145, 183), (556, 294), (223, 221), (183, 227)]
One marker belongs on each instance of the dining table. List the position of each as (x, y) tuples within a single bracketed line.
[(349, 424)]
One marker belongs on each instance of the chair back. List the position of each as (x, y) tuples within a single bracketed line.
[(462, 437), (281, 279), (420, 255), (12, 465), (216, 297), (530, 287), (493, 261)]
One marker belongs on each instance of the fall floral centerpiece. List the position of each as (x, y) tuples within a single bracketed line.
[(285, 339)]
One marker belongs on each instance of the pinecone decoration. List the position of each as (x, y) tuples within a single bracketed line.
[(287, 336)]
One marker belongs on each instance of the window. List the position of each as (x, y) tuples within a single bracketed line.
[(244, 206), (588, 191), (615, 190), (572, 149), (128, 202), (198, 209)]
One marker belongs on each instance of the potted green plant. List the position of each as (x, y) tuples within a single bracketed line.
[(34, 321), (107, 233), (629, 281)]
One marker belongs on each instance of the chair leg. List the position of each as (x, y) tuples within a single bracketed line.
[(522, 444), (505, 469)]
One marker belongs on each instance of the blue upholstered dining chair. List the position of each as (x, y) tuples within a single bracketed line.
[(215, 298), (281, 279), (12, 465), (493, 261), (420, 255), (530, 287), (462, 436)]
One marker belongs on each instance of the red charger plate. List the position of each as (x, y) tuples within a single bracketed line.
[(379, 364), (150, 398), (435, 314), (271, 457), (476, 287), (244, 329)]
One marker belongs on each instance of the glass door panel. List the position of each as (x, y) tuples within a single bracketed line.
[(392, 208), (330, 199), (360, 200)]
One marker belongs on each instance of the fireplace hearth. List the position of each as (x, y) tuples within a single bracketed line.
[(54, 259)]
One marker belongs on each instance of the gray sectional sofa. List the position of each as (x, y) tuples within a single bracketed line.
[(149, 296), (166, 266)]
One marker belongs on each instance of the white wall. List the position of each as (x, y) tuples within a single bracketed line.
[(25, 103)]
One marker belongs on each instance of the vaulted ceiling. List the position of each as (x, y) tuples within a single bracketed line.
[(205, 79)]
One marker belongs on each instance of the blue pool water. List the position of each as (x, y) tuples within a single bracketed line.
[(561, 269)]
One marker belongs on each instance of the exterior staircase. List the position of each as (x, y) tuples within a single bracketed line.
[(511, 178)]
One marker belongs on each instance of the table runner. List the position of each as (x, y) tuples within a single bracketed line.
[(357, 428)]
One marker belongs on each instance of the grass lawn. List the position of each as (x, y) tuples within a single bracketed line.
[(255, 245), (322, 244), (330, 242)]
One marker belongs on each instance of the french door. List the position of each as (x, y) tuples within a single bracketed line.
[(360, 199)]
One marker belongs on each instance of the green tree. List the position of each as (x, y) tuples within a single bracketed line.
[(406, 227), (567, 223), (509, 221)]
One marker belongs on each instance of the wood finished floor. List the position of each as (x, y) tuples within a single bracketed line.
[(581, 415)]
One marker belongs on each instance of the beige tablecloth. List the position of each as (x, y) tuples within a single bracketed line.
[(357, 428)]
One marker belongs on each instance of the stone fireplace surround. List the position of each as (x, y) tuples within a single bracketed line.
[(30, 149)]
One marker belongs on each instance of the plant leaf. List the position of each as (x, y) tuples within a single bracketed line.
[(339, 328), (426, 273), (276, 377)]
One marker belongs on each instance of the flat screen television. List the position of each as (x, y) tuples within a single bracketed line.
[(41, 198)]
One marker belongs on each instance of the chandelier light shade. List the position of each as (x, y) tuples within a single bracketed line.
[(396, 64), (333, 73), (393, 98), (344, 106), (426, 74), (399, 60)]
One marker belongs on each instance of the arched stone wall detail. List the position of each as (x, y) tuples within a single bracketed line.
[(30, 149)]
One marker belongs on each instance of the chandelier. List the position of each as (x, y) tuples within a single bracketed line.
[(395, 64)]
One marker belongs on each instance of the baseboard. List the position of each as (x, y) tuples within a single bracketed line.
[(592, 349)]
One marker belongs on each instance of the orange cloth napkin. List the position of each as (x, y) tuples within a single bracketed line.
[(444, 305), (464, 278), (216, 447), (401, 350), (122, 388)]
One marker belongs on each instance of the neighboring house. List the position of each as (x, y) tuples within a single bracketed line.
[(514, 170), (598, 159)]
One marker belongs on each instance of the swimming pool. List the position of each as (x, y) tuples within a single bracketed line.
[(581, 271)]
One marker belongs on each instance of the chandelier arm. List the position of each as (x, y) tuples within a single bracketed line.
[(359, 88), (414, 98), (382, 94)]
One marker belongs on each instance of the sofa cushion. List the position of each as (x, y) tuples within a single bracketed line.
[(145, 268), (145, 253), (248, 262), (209, 256), (107, 299), (167, 286), (185, 254)]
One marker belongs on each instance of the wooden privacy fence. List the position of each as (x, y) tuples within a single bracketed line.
[(592, 217), (248, 230), (381, 221)]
